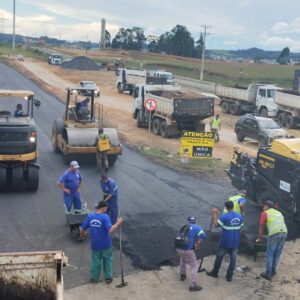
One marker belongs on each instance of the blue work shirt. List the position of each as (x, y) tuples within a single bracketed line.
[(99, 225), (231, 223), (195, 233), (71, 181), (18, 113), (242, 200), (109, 188)]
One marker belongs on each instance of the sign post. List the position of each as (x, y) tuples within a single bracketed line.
[(150, 105)]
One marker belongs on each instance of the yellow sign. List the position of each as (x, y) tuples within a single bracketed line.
[(196, 144)]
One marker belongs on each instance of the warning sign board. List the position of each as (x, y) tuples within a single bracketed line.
[(151, 104), (196, 144)]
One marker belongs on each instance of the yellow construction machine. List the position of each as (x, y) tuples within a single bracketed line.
[(77, 132)]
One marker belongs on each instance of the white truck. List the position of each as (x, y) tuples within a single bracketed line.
[(162, 74), (176, 111), (55, 59), (288, 105), (32, 275), (256, 98)]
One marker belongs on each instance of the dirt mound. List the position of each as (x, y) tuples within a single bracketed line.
[(81, 63)]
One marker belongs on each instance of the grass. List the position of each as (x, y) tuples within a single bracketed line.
[(6, 50), (197, 165)]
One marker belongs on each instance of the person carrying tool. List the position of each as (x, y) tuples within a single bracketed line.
[(273, 220), (100, 227), (231, 223), (186, 251), (110, 191), (103, 144), (215, 127), (70, 182), (239, 202)]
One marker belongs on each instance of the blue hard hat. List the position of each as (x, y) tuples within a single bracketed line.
[(192, 219)]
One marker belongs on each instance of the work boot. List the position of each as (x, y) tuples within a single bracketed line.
[(195, 288), (182, 277), (212, 274), (108, 280), (273, 273), (228, 278), (265, 276)]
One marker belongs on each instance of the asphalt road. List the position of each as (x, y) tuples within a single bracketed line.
[(154, 201)]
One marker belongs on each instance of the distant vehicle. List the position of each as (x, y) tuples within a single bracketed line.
[(87, 86), (262, 129), (55, 59), (168, 76), (20, 57)]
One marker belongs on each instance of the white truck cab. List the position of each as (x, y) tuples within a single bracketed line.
[(265, 101)]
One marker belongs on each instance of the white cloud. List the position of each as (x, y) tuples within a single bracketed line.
[(278, 43)]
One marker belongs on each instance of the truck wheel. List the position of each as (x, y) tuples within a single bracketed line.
[(281, 119), (263, 112), (290, 121), (240, 135), (112, 159), (225, 107), (3, 178), (156, 126), (57, 128), (120, 91), (234, 109), (18, 181), (33, 179), (164, 129), (138, 120), (262, 141)]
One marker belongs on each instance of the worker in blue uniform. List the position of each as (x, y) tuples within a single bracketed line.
[(70, 182), (110, 191)]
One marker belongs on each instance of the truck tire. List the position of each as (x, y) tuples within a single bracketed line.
[(112, 159), (120, 91), (281, 119), (225, 107), (57, 128), (33, 179), (156, 126), (3, 178), (164, 130), (17, 182), (138, 120), (240, 135), (263, 112), (290, 121), (234, 109)]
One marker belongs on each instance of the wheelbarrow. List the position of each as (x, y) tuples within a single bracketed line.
[(74, 220)]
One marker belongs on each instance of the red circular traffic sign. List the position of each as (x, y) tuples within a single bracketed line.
[(151, 104)]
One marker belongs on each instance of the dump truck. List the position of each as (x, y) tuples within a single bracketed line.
[(77, 133), (256, 98), (176, 111), (19, 169), (274, 174), (32, 275), (288, 108)]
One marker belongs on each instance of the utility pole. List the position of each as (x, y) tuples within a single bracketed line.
[(14, 27), (203, 50)]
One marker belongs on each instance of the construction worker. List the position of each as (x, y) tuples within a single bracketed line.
[(102, 159), (70, 182), (195, 236), (231, 223), (82, 109), (215, 127), (273, 220), (100, 227), (239, 202), (110, 191), (19, 111)]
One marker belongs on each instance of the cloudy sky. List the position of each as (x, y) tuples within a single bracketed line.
[(235, 24)]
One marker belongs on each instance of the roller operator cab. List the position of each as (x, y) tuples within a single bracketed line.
[(77, 132), (273, 175), (18, 141)]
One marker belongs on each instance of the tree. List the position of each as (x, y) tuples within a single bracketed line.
[(107, 39), (199, 46), (129, 39), (284, 57), (183, 43), (165, 42)]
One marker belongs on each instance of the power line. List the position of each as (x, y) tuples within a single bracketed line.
[(203, 50)]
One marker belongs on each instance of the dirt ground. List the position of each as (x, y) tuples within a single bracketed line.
[(164, 284)]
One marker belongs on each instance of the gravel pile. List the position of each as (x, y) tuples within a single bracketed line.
[(81, 63)]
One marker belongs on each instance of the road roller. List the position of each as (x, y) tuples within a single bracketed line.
[(19, 170), (77, 131)]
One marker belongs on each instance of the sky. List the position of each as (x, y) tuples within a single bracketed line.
[(233, 24)]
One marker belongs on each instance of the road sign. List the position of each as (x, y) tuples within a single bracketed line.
[(151, 104)]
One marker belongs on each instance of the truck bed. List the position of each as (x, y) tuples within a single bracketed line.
[(287, 99)]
